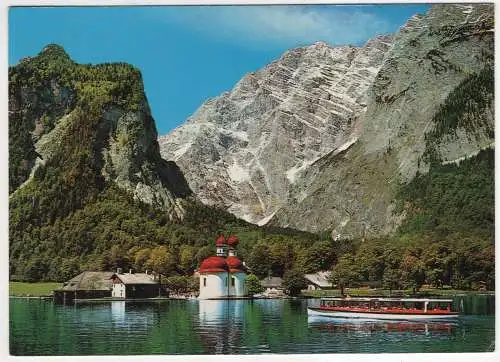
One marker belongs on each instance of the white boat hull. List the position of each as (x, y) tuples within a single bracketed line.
[(380, 316)]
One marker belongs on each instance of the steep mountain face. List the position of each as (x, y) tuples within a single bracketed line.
[(87, 182), (430, 103), (94, 120), (324, 138), (246, 149)]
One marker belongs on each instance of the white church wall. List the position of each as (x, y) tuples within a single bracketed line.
[(213, 285), (239, 288)]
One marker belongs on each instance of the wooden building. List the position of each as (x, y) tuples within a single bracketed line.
[(318, 280), (86, 285), (135, 285)]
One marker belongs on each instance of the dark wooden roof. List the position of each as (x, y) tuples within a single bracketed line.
[(136, 278), (90, 280)]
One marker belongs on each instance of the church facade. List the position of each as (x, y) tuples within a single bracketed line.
[(223, 275)]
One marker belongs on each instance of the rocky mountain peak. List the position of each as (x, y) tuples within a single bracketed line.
[(86, 126), (431, 95), (304, 105), (320, 138)]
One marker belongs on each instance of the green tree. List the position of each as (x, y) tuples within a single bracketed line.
[(345, 273), (391, 279), (180, 284), (187, 256), (412, 270), (141, 257), (253, 286), (34, 270), (203, 253), (161, 260), (370, 259), (294, 282), (259, 260), (320, 256)]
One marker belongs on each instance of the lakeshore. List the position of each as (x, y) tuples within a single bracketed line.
[(44, 289)]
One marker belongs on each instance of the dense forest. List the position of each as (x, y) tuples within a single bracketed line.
[(68, 218)]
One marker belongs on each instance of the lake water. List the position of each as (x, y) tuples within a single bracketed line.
[(40, 327)]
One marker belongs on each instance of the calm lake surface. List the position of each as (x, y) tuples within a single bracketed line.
[(40, 327)]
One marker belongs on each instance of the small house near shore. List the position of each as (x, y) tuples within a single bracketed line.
[(134, 285), (93, 285), (318, 280), (86, 285)]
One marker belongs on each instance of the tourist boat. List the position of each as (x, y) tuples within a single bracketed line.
[(384, 308)]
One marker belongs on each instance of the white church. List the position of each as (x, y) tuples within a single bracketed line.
[(224, 275)]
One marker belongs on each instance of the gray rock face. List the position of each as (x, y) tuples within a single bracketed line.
[(45, 107), (353, 193), (321, 138), (132, 160), (247, 149), (122, 147), (129, 156)]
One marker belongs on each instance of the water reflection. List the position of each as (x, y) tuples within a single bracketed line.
[(220, 324), (373, 326), (231, 327), (121, 314), (118, 311)]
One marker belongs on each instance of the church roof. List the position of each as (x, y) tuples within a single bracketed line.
[(214, 264), (235, 264), (232, 240)]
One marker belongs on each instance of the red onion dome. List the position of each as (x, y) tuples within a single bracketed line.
[(235, 264), (220, 241), (214, 264), (232, 240)]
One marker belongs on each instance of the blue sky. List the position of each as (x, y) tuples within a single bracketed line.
[(188, 54)]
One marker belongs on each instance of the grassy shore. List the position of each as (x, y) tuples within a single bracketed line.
[(19, 289)]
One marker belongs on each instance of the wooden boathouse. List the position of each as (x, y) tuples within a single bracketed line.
[(87, 285)]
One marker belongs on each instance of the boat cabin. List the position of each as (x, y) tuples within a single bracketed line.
[(421, 305)]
